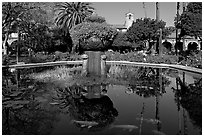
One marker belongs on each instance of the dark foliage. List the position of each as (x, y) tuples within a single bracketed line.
[(190, 98), (121, 43), (190, 21), (5, 60), (191, 58)]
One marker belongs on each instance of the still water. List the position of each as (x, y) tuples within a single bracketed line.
[(132, 101)]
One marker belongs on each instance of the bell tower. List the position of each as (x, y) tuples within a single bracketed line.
[(129, 20)]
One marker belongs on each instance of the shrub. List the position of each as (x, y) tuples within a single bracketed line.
[(121, 43), (193, 59), (5, 60), (40, 58), (166, 59), (22, 45), (58, 56), (74, 57), (92, 36), (139, 57), (130, 56)]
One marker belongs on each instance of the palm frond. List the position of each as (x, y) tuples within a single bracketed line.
[(72, 13)]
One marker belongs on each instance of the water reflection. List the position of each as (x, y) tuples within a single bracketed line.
[(23, 114), (87, 106), (189, 97), (30, 107), (151, 83)]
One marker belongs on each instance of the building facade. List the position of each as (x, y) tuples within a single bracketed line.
[(129, 19), (187, 41)]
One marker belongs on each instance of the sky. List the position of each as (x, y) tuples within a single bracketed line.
[(114, 12)]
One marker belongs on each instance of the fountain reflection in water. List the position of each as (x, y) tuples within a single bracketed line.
[(88, 105)]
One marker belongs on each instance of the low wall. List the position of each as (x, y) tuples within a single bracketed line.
[(31, 65), (80, 62), (172, 66)]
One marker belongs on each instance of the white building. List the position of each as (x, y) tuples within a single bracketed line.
[(129, 19)]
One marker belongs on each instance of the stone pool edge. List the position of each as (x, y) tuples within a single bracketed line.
[(174, 66)]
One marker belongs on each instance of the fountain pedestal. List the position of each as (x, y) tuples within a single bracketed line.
[(94, 63)]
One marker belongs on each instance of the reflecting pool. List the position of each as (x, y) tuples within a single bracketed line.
[(129, 101)]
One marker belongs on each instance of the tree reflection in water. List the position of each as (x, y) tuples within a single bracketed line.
[(190, 98), (23, 112), (151, 83), (30, 117), (87, 104)]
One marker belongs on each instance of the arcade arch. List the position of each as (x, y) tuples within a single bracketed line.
[(167, 45), (192, 46), (189, 44)]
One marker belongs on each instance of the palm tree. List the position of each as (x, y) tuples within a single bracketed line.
[(72, 13)]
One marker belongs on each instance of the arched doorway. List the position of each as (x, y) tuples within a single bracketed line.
[(192, 46), (167, 46)]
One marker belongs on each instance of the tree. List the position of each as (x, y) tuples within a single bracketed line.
[(26, 17), (195, 7), (92, 36), (33, 28), (121, 43), (12, 13), (190, 21), (144, 30), (167, 31), (61, 40), (95, 18), (39, 32), (72, 13)]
